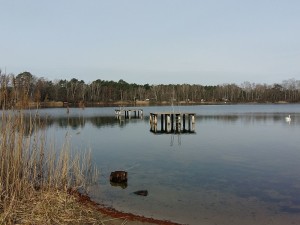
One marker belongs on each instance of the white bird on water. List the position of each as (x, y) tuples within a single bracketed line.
[(288, 118)]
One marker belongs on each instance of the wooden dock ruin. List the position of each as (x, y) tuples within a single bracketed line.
[(129, 113), (173, 122)]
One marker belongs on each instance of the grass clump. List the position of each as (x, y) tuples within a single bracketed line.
[(35, 178)]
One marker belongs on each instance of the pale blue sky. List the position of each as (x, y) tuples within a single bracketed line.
[(155, 41)]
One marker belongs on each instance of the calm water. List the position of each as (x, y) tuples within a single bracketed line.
[(240, 167)]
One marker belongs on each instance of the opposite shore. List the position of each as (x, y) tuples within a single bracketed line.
[(60, 104)]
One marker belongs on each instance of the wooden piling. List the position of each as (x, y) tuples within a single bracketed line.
[(127, 113), (171, 122)]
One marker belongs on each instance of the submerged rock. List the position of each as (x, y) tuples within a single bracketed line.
[(141, 192)]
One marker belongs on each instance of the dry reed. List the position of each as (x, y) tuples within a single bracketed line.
[(35, 177)]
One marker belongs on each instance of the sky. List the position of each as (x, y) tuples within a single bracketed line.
[(152, 41)]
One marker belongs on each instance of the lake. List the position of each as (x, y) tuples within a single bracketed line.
[(241, 166)]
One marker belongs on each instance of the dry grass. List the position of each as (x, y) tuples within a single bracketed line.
[(56, 207), (35, 178)]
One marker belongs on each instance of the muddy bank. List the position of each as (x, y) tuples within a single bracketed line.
[(86, 201)]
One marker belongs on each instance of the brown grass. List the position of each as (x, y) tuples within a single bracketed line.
[(54, 207), (35, 178)]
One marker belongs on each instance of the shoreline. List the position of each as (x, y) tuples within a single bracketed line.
[(86, 201), (138, 104)]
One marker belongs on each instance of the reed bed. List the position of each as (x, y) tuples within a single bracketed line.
[(35, 177)]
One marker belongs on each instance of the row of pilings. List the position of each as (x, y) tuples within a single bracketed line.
[(171, 122), (129, 113)]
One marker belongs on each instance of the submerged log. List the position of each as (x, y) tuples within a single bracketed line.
[(141, 192), (118, 177)]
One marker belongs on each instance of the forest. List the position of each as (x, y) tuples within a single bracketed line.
[(25, 88)]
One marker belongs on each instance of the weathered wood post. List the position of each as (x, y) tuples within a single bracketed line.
[(141, 113), (168, 122), (183, 121), (153, 127), (178, 122), (193, 122), (162, 122), (189, 122), (172, 122)]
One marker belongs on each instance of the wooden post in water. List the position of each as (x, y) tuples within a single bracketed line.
[(178, 122), (162, 122), (171, 122), (167, 122), (193, 122), (129, 113), (189, 122)]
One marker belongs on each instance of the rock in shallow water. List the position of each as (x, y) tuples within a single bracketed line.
[(141, 192)]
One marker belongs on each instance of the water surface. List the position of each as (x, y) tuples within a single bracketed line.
[(241, 166)]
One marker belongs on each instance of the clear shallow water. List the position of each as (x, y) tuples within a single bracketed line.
[(240, 167)]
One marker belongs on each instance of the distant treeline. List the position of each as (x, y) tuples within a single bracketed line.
[(25, 88)]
